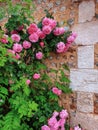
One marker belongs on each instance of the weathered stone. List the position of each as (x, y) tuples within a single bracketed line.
[(53, 64), (39, 1), (86, 57), (50, 57), (61, 23), (96, 56), (87, 33), (84, 80), (70, 21), (86, 11), (66, 28), (63, 8), (73, 101), (45, 1), (96, 103), (85, 102), (87, 121), (50, 5), (58, 2)]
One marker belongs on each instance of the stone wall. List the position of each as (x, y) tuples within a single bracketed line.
[(84, 79), (82, 17)]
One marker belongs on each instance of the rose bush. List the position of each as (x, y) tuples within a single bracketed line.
[(28, 97)]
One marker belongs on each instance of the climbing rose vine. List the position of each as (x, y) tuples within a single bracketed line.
[(28, 96)]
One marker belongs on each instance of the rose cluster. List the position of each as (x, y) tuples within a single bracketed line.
[(36, 38), (57, 121), (56, 91)]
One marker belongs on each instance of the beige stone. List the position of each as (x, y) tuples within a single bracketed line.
[(86, 11), (87, 121), (84, 80), (86, 57), (85, 102), (87, 33)]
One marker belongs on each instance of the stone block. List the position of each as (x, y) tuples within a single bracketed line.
[(84, 80), (87, 121), (85, 102), (86, 57), (86, 11), (87, 33)]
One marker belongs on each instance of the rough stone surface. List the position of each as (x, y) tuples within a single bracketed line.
[(96, 56), (84, 80), (86, 57), (96, 103), (85, 102), (86, 11), (61, 10), (87, 121), (69, 58), (87, 33)]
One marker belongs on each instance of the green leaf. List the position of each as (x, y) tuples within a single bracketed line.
[(33, 105), (11, 121), (42, 119), (3, 90)]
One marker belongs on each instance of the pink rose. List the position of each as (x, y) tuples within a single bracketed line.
[(42, 44), (42, 35), (33, 37), (63, 114), (56, 126), (53, 23), (4, 40), (55, 114), (15, 37), (28, 81), (74, 34), (46, 29), (70, 39), (11, 51), (39, 55), (59, 50), (56, 91), (62, 128), (52, 121), (67, 45), (17, 47), (71, 128), (26, 44), (77, 128), (20, 28), (45, 127), (36, 76), (14, 32), (46, 21), (17, 56), (38, 31), (59, 31), (60, 47), (32, 28), (62, 122)]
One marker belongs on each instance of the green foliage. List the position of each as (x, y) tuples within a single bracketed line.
[(11, 121), (26, 106), (19, 8)]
